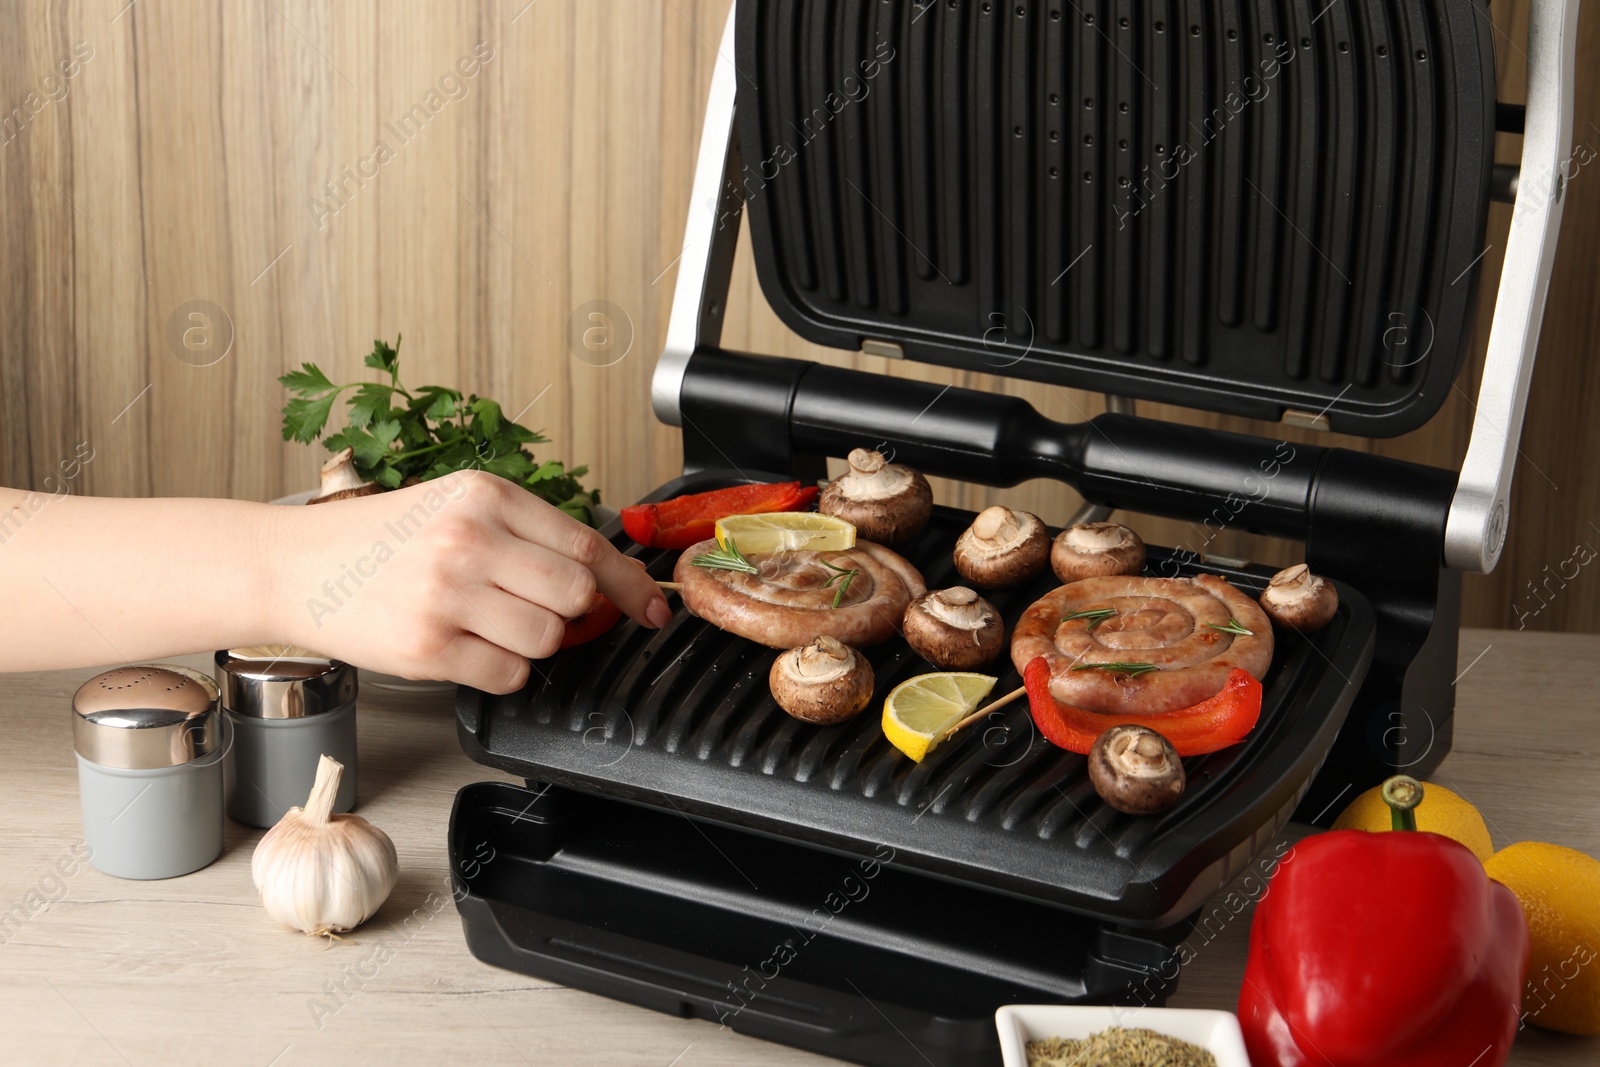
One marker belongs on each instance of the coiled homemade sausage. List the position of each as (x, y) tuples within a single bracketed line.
[(789, 602), (1177, 625)]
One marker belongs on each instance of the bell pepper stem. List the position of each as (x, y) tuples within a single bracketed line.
[(1402, 794)]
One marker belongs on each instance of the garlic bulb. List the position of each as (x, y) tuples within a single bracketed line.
[(323, 873)]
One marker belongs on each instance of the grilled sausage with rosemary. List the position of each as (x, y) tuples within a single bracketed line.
[(786, 599), (1136, 645)]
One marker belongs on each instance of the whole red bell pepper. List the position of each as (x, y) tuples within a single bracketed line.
[(1390, 949), (686, 520), (1208, 726)]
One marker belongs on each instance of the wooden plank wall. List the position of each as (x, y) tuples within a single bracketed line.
[(230, 154)]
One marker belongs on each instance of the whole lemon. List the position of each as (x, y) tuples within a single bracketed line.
[(1441, 812), (1559, 890)]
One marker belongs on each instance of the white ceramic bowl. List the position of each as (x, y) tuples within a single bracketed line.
[(1215, 1031)]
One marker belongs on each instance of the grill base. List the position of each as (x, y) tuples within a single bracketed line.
[(846, 956), (686, 846)]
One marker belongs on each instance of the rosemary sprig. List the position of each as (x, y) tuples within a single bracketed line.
[(1233, 627), (1132, 670), (1096, 616), (843, 576), (725, 558)]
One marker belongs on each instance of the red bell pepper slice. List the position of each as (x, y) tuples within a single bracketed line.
[(600, 618), (685, 520), (1208, 726)]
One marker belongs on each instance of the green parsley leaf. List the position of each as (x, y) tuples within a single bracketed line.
[(369, 451), (304, 419), (444, 406), (308, 380), (386, 430), (383, 357), (516, 467), (399, 435), (486, 414), (370, 402)]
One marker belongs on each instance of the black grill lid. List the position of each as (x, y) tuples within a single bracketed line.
[(681, 719), (1250, 206)]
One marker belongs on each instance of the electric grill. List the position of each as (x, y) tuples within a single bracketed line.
[(1270, 209)]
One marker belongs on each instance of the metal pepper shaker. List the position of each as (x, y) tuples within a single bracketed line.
[(287, 707), (151, 749)]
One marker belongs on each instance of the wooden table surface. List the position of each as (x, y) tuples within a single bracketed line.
[(95, 970)]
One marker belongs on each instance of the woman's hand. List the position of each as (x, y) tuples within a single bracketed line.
[(463, 579)]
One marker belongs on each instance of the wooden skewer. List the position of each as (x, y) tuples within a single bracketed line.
[(671, 587), (985, 710)]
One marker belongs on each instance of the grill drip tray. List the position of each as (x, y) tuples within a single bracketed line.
[(849, 957), (684, 827)]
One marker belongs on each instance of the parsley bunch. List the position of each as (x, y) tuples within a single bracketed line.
[(400, 436)]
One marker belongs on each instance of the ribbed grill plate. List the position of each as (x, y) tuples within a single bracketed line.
[(1249, 206), (681, 719)]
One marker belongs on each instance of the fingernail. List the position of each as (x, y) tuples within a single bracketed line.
[(658, 613)]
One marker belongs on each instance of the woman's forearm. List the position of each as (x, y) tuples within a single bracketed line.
[(87, 580), (465, 578)]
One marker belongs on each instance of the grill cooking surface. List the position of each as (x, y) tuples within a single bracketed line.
[(681, 719)]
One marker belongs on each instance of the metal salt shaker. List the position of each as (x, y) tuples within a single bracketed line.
[(287, 707), (151, 748)]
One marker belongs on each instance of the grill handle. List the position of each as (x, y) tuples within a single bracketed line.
[(737, 408), (1120, 461)]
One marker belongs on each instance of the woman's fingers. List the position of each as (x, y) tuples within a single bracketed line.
[(510, 622), (484, 665), (627, 585), (631, 588), (476, 577), (540, 576)]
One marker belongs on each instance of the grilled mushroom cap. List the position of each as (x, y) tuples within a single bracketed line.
[(1136, 770), (886, 502), (340, 480), (823, 682), (1296, 599), (1002, 548), (1096, 550), (954, 629)]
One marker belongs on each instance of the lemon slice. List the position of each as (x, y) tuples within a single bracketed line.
[(918, 711), (786, 531)]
